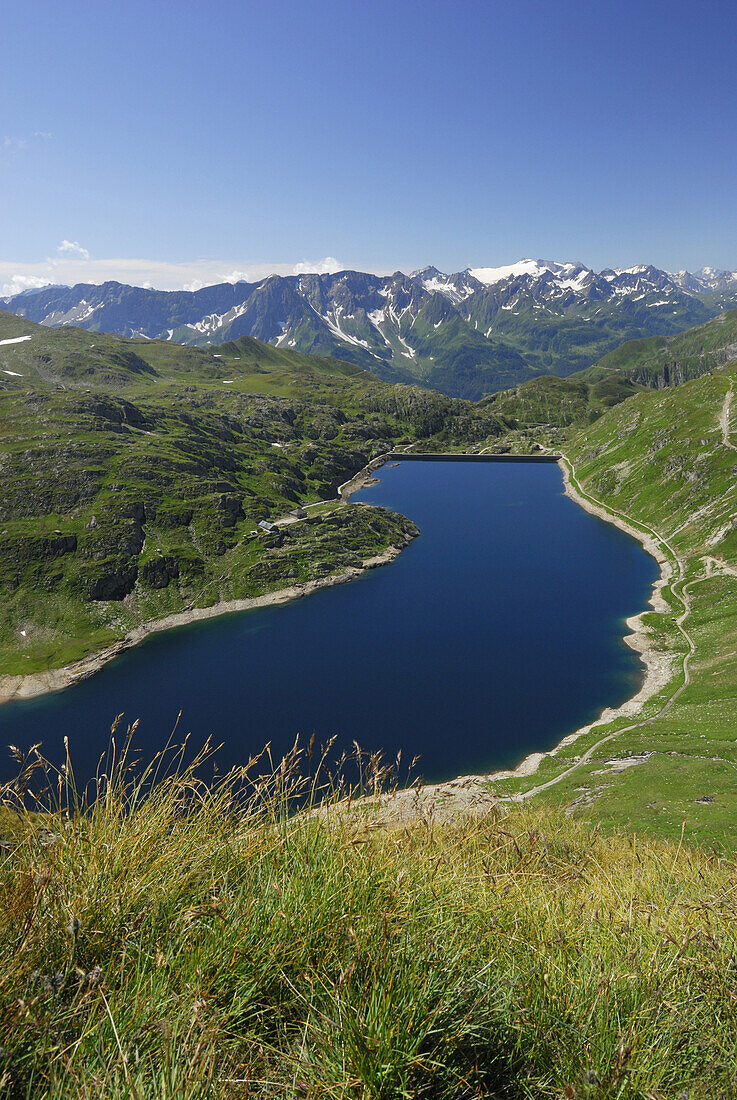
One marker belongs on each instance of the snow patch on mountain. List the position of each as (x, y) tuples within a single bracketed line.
[(211, 324), (369, 319), (333, 323), (443, 284), (578, 282), (408, 353)]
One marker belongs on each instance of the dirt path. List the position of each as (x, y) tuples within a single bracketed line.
[(713, 568), (724, 420), (471, 794), (714, 565)]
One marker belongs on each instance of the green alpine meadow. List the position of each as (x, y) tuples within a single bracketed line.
[(278, 932), (665, 460), (368, 550)]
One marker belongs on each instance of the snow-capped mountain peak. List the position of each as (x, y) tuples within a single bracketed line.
[(534, 268), (467, 333)]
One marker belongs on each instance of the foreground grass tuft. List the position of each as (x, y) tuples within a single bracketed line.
[(167, 938)]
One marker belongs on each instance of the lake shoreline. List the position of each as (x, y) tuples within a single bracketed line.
[(471, 793), (465, 792), (34, 684), (658, 663)]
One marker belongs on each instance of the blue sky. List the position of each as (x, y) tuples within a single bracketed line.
[(177, 143)]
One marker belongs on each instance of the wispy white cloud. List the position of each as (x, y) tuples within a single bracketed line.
[(318, 267), (12, 144), (72, 248), (72, 265)]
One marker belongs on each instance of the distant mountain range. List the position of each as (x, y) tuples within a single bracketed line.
[(466, 334)]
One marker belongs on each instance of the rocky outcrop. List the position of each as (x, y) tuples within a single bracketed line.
[(159, 571)]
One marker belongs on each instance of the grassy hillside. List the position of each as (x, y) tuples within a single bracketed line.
[(230, 951), (133, 475), (207, 942), (667, 361), (559, 403), (70, 357), (668, 460), (554, 405)]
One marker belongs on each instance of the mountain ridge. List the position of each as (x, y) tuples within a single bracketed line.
[(468, 334)]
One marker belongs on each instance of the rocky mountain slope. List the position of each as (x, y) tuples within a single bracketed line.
[(467, 334), (661, 361)]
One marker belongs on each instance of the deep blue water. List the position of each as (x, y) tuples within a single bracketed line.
[(495, 633)]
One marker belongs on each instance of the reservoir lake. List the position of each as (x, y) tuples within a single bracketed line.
[(493, 635)]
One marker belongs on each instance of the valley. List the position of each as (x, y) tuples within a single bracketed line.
[(134, 475), (368, 593), (501, 621), (136, 472)]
